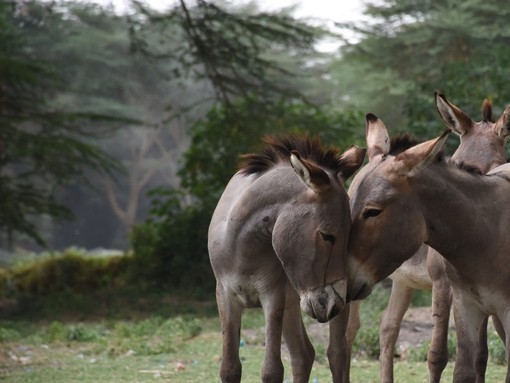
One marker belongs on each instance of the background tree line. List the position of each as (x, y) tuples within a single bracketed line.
[(133, 123)]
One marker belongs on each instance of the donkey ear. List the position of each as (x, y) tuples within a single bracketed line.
[(351, 160), (454, 118), (378, 140), (312, 176), (411, 161), (502, 127)]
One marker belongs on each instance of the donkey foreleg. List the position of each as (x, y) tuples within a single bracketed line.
[(437, 357), (300, 348), (469, 321), (483, 353), (230, 312), (400, 299), (273, 306), (339, 352)]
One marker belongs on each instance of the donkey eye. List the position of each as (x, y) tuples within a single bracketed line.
[(371, 213), (328, 237)]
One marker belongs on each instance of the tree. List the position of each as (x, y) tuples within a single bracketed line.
[(410, 49), (233, 49), (41, 147)]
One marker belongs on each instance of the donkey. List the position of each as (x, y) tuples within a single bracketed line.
[(399, 202), (481, 144), (278, 240)]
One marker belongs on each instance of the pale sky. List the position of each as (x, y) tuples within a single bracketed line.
[(327, 10), (335, 10)]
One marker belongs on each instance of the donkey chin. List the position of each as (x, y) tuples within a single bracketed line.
[(324, 303)]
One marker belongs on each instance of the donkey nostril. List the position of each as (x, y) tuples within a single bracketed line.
[(323, 301)]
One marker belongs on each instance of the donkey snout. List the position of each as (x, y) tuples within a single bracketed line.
[(324, 303)]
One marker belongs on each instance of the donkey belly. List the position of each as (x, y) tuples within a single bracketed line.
[(413, 273)]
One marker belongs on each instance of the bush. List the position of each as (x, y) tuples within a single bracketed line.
[(70, 271), (171, 248)]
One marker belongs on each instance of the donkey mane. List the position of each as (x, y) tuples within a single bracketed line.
[(277, 150), (402, 142), (469, 168)]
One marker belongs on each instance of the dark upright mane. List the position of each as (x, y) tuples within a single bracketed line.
[(470, 168), (402, 142), (277, 150)]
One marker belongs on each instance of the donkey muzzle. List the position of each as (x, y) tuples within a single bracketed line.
[(324, 303)]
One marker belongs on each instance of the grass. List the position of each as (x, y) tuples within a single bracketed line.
[(118, 332), (182, 346)]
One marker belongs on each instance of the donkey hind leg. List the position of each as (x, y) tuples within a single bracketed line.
[(339, 353), (273, 306), (441, 304), (469, 320), (230, 315), (499, 328), (300, 348), (400, 299)]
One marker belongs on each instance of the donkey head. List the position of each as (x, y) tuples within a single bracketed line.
[(388, 226), (482, 143), (310, 235)]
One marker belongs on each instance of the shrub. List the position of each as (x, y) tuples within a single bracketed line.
[(70, 271), (171, 248)]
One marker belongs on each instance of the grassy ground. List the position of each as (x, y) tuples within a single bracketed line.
[(157, 339)]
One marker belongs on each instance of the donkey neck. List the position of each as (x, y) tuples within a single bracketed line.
[(257, 206), (460, 209)]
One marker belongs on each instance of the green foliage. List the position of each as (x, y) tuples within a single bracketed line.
[(421, 298), (410, 49), (171, 249), (496, 348), (367, 340), (419, 354), (218, 141), (233, 48), (66, 272)]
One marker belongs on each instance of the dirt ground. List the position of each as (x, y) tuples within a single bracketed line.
[(415, 330)]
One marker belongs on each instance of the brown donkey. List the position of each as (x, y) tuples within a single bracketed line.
[(278, 240), (399, 202), (481, 144)]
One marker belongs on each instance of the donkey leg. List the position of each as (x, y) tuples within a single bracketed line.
[(300, 348), (483, 353), (273, 306), (400, 299), (468, 323), (507, 348), (498, 325), (353, 327), (441, 304), (230, 316), (339, 353)]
